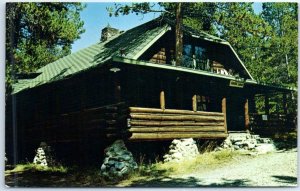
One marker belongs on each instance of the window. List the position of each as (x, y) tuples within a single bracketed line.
[(187, 56), (202, 103)]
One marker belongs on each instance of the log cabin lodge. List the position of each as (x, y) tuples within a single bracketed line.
[(128, 86)]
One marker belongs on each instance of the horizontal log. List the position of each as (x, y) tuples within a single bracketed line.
[(111, 107), (177, 118), (142, 129), (172, 111), (169, 135), (114, 135), (174, 114), (97, 121), (117, 105), (172, 123)]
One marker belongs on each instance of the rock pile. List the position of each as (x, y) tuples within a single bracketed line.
[(247, 141), (43, 155), (181, 149), (5, 159), (118, 161)]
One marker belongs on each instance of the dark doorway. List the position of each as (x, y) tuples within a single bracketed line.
[(235, 113)]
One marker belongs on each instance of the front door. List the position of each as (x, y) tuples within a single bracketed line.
[(235, 113)]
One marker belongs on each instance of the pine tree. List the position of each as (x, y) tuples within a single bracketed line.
[(282, 52), (39, 33)]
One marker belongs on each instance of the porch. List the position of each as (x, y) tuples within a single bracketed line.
[(166, 124)]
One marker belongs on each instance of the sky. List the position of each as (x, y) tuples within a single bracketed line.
[(95, 17)]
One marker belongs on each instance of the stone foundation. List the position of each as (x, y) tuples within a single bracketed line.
[(118, 161), (246, 141), (181, 149), (44, 155)]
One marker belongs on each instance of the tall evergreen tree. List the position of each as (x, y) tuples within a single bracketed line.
[(196, 15), (39, 33), (247, 33), (282, 52)]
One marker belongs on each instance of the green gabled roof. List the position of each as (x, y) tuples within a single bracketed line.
[(133, 41)]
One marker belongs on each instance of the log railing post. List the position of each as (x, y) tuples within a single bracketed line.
[(284, 99), (162, 100), (267, 104), (224, 112), (194, 103), (247, 120), (284, 104)]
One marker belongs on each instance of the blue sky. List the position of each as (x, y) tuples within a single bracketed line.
[(95, 17)]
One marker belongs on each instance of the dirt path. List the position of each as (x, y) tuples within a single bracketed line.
[(274, 169)]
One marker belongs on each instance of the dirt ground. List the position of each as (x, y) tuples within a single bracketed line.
[(273, 169), (269, 170)]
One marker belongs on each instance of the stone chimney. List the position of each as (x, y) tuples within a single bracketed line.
[(108, 32)]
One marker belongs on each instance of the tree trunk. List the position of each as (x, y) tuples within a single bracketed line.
[(178, 34)]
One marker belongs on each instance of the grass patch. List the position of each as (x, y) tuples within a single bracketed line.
[(34, 167), (205, 160)]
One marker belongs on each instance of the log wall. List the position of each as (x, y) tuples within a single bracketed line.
[(159, 124), (92, 123)]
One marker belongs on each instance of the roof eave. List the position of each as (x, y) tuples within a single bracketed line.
[(169, 67)]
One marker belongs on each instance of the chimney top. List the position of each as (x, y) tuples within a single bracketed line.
[(108, 32)]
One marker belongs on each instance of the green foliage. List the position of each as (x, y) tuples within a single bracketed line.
[(282, 52), (196, 15), (266, 42), (246, 32), (39, 33)]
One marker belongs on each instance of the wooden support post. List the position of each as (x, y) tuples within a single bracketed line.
[(267, 106), (194, 103), (284, 104), (284, 99), (224, 112), (117, 88), (247, 120), (162, 100)]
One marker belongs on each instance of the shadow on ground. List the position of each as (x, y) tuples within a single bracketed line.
[(34, 179), (166, 181), (286, 179)]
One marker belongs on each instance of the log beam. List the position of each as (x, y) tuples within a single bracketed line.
[(143, 129), (171, 123), (267, 106), (162, 100), (194, 103), (172, 111), (176, 117), (224, 112), (284, 104), (247, 119), (170, 135)]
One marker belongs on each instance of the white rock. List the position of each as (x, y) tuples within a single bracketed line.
[(265, 148)]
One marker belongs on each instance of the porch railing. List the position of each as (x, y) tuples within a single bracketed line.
[(272, 123), (163, 124)]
